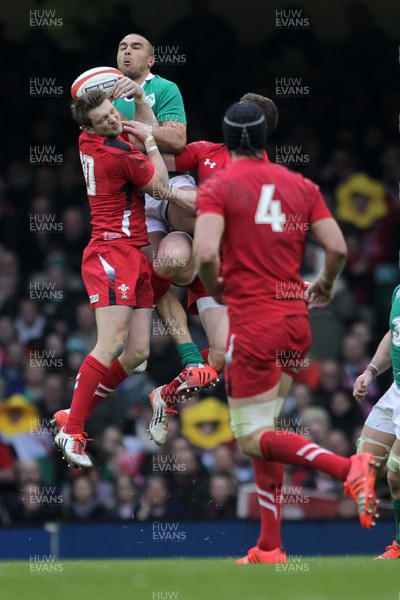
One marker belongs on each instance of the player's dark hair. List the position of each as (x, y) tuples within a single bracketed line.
[(244, 128), (86, 103), (267, 106)]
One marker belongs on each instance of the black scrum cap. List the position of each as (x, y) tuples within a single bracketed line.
[(244, 127)]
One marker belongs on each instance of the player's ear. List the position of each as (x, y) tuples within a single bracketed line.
[(87, 129), (151, 61)]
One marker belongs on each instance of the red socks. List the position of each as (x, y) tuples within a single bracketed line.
[(293, 449), (168, 391), (269, 479), (115, 375), (205, 354), (87, 380)]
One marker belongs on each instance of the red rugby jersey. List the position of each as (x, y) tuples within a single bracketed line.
[(114, 171), (203, 157), (268, 211)]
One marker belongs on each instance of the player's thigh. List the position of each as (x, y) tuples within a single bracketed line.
[(379, 431), (251, 417), (257, 375), (139, 330), (117, 274), (255, 355), (112, 322), (179, 219), (155, 238), (285, 383)]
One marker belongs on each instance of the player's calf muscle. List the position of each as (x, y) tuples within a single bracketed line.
[(217, 359), (394, 484)]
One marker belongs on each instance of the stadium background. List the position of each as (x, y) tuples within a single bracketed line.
[(334, 78)]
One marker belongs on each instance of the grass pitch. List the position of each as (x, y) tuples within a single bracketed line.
[(346, 578)]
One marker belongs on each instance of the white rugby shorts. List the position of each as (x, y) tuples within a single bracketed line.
[(156, 210)]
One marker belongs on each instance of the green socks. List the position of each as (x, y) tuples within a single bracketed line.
[(189, 354)]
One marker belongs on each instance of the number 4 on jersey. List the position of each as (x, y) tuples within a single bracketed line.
[(269, 210)]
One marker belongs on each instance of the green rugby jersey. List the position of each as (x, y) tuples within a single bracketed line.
[(163, 96), (394, 324)]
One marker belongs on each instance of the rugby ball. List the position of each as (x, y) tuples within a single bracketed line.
[(99, 78)]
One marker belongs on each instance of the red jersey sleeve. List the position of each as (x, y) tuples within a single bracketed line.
[(318, 207), (210, 197), (189, 159), (135, 167)]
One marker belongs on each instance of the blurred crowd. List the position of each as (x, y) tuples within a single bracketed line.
[(342, 134)]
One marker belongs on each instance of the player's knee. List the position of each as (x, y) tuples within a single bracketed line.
[(378, 449), (393, 475), (111, 346), (250, 445), (174, 255), (250, 422)]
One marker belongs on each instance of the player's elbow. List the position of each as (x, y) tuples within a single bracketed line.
[(177, 141), (334, 244), (178, 145), (337, 250), (157, 186), (342, 253)]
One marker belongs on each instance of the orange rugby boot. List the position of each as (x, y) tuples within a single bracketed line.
[(392, 551), (360, 485), (255, 555)]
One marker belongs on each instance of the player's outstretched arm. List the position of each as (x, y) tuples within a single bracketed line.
[(380, 362), (170, 136), (327, 234)]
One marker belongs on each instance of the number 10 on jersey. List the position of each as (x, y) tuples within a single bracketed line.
[(88, 172)]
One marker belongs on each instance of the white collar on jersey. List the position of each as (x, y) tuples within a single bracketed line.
[(148, 78)]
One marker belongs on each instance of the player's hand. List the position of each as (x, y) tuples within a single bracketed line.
[(140, 131), (318, 294), (219, 291), (361, 385), (126, 88)]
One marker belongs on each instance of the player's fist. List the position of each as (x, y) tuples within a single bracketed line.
[(318, 294), (361, 385)]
